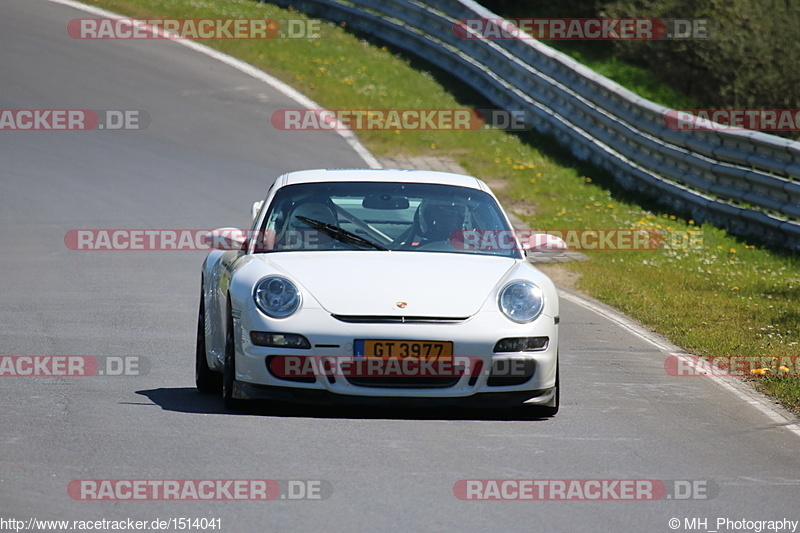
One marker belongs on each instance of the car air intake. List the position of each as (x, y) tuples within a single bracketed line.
[(393, 319)]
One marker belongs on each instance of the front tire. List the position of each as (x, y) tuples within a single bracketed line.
[(551, 408), (206, 380), (229, 369)]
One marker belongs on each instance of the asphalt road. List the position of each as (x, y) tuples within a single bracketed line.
[(207, 154)]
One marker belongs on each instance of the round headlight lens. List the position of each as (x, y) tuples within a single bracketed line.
[(521, 301), (277, 297)]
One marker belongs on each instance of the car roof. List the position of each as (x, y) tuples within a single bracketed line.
[(387, 175)]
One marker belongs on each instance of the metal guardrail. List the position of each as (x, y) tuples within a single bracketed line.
[(745, 181)]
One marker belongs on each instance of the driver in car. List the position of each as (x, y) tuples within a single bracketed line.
[(438, 221)]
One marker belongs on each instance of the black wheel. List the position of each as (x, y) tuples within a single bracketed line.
[(551, 408), (534, 412), (206, 380), (229, 369)]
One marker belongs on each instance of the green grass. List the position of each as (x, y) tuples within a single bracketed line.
[(723, 296), (634, 78)]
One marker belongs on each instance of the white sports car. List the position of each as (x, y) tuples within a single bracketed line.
[(379, 286)]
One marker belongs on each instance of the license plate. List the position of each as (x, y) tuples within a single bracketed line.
[(403, 349)]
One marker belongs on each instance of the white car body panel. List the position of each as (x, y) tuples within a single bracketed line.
[(371, 283)]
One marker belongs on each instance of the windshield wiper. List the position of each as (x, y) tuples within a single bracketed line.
[(340, 234)]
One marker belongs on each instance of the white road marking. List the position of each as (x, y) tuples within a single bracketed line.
[(774, 413)]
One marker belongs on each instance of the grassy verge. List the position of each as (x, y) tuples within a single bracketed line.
[(718, 296), (634, 78)]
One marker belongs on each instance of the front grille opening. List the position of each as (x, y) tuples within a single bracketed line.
[(416, 382), (476, 372), (277, 369), (393, 319), (507, 372)]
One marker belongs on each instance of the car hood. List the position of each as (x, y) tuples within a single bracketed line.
[(379, 283)]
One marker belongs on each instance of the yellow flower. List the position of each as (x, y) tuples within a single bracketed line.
[(538, 174), (783, 368), (733, 250), (735, 288), (761, 371)]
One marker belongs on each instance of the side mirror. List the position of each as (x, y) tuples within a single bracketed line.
[(226, 238), (256, 209), (545, 243)]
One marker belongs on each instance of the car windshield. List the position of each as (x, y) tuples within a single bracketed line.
[(421, 217)]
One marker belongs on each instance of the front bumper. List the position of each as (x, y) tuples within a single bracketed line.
[(473, 338), (249, 391)]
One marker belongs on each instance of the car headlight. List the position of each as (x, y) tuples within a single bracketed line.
[(276, 297), (521, 301)]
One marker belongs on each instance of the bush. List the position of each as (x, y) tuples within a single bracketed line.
[(748, 61)]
